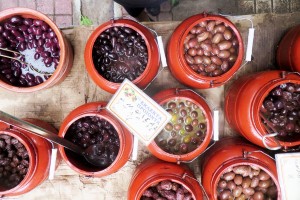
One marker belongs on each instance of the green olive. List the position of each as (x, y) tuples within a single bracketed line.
[(187, 139), (182, 132), (174, 118), (188, 120)]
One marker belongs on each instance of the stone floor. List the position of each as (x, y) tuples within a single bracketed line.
[(67, 12)]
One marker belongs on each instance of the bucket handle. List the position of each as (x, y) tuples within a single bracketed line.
[(264, 138), (199, 182)]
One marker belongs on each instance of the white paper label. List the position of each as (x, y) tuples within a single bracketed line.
[(52, 163), (162, 51), (216, 125), (288, 169), (142, 116), (250, 44)]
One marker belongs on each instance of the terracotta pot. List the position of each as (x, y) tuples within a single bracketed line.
[(39, 151), (153, 171), (179, 67), (184, 94), (243, 102), (153, 55), (66, 52), (231, 152), (288, 50), (78, 163)]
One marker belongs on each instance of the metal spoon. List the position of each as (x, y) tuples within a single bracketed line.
[(92, 153)]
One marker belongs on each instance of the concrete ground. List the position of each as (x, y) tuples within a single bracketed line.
[(67, 12)]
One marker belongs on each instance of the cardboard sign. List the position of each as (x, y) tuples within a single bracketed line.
[(288, 169), (142, 116)]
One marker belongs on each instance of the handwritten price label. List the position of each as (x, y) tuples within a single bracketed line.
[(288, 169), (142, 116)]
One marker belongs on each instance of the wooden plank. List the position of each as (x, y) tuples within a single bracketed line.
[(54, 104)]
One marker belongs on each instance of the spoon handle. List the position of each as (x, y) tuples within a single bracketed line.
[(33, 129)]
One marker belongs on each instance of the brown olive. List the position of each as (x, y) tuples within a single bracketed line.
[(217, 72), (225, 194), (206, 60), (189, 59), (231, 185), (210, 26), (219, 29), (222, 184), (203, 23), (227, 34), (225, 45), (198, 59), (192, 42), (248, 191), (264, 184), (254, 182), (238, 179), (210, 68), (192, 52), (263, 176), (177, 127), (228, 176), (272, 191), (202, 36), (217, 38), (242, 197), (237, 191), (195, 122), (246, 182), (224, 54), (216, 60), (258, 196), (242, 170), (189, 128)]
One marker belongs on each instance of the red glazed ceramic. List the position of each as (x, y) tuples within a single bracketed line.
[(179, 67), (243, 102), (289, 49), (228, 153), (78, 163), (153, 171), (183, 94), (39, 152), (66, 52), (153, 55)]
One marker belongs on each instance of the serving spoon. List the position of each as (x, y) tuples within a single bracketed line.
[(92, 153)]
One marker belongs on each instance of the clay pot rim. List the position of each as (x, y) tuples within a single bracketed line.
[(233, 68), (232, 163), (32, 160), (182, 94), (112, 121), (36, 15), (93, 37), (158, 178), (260, 126)]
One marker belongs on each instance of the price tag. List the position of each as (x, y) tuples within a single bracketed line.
[(142, 116), (288, 169)]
